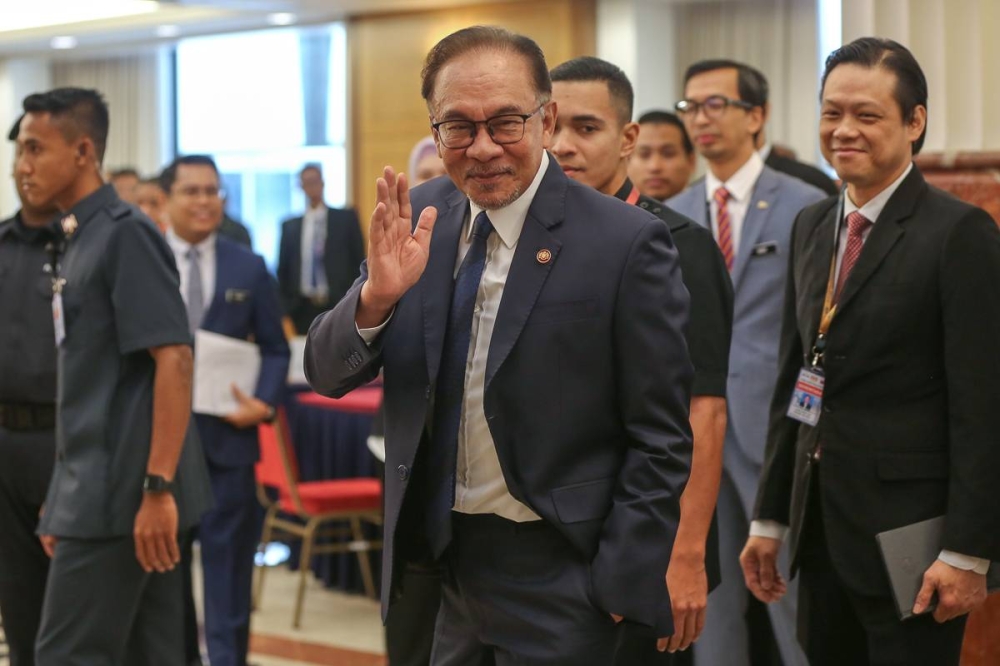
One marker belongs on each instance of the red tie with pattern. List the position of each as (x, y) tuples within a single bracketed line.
[(725, 238), (856, 226)]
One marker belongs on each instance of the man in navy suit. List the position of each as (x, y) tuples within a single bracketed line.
[(320, 253), (227, 290), (750, 209), (537, 379)]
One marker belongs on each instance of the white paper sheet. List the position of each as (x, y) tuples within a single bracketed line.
[(296, 369), (220, 362)]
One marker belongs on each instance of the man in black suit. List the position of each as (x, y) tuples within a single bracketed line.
[(319, 256), (536, 376), (593, 140), (892, 300)]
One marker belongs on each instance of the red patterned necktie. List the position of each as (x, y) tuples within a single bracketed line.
[(725, 237), (856, 226)]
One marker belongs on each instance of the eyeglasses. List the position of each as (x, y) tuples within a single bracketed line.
[(503, 129), (192, 192), (713, 106)]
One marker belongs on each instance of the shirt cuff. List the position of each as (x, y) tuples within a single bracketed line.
[(770, 529), (369, 334), (964, 562)]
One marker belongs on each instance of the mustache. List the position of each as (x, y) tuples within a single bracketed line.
[(481, 172)]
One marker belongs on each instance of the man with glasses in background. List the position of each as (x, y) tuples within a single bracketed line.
[(750, 210), (536, 376), (226, 290)]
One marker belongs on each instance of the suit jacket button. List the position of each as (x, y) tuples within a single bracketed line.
[(427, 392), (403, 472)]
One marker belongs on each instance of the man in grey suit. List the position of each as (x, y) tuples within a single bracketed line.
[(750, 209)]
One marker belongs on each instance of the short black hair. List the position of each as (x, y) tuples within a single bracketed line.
[(750, 82), (125, 171), (153, 180), (169, 175), (589, 68), (85, 109), (659, 117), (486, 38), (312, 166), (870, 52), (15, 129)]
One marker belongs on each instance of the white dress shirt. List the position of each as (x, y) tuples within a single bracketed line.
[(740, 186), (871, 210), (479, 483), (313, 225), (206, 262)]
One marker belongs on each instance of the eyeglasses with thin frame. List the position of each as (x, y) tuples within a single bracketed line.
[(713, 106), (504, 129)]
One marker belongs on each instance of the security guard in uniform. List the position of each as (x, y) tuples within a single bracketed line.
[(129, 475), (27, 416)]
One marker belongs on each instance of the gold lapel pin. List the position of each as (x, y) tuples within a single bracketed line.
[(69, 225), (544, 256), (762, 205)]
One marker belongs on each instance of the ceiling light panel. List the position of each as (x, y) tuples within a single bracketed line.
[(48, 13)]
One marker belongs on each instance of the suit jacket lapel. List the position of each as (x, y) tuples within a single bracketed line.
[(221, 283), (437, 282), (699, 212), (762, 199), (527, 274), (886, 231), (819, 253)]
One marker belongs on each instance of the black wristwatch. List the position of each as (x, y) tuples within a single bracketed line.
[(154, 483)]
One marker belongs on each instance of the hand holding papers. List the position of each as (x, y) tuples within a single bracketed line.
[(221, 362)]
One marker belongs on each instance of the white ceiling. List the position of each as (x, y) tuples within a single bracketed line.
[(28, 30)]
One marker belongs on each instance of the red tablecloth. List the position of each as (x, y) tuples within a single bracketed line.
[(365, 400)]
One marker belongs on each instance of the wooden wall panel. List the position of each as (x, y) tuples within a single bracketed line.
[(388, 116)]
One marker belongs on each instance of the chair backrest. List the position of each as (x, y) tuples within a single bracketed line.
[(278, 467)]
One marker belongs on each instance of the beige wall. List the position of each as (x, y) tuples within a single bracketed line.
[(388, 115)]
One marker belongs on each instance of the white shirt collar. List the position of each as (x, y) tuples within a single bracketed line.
[(740, 184), (509, 220), (181, 246), (873, 208), (765, 151)]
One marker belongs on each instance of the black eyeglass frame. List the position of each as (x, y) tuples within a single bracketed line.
[(474, 130), (689, 108)]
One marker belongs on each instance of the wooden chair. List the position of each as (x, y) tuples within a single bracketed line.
[(311, 509)]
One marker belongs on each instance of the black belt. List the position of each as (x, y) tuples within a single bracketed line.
[(28, 416)]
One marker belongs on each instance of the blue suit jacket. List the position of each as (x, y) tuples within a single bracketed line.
[(587, 383), (245, 306), (760, 269)]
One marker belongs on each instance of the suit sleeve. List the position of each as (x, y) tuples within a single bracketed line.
[(287, 284), (270, 337), (337, 359), (654, 390), (775, 490), (969, 275), (710, 329)]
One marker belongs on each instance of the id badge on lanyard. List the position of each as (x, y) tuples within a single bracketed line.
[(806, 404)]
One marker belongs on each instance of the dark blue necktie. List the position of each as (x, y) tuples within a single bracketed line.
[(450, 388)]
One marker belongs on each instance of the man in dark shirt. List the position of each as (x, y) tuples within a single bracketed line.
[(592, 143), (27, 416), (128, 475)]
